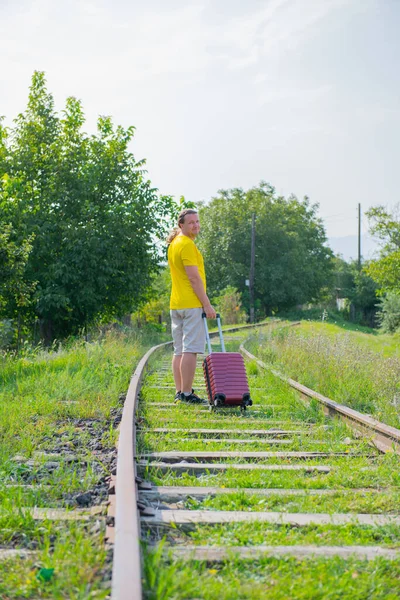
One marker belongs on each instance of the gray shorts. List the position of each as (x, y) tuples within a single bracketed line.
[(188, 331)]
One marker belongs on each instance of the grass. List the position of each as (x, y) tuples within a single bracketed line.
[(272, 578), (388, 345), (66, 400), (63, 402), (364, 502), (337, 365), (74, 553)]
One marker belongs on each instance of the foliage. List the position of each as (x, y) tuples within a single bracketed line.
[(276, 405), (336, 365), (6, 333), (385, 226), (292, 262), (359, 289), (68, 399), (386, 270), (389, 314), (84, 205), (156, 310), (14, 290), (229, 305)]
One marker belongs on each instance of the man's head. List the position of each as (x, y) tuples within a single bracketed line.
[(189, 224)]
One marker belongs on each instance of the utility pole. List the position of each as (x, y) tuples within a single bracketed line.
[(359, 236), (252, 265)]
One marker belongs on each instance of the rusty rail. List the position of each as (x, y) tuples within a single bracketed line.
[(384, 437), (126, 575), (127, 571)]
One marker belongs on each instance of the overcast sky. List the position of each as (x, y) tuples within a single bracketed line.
[(304, 94)]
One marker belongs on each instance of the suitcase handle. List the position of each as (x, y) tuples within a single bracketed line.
[(221, 338)]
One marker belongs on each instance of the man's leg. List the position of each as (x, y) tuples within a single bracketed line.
[(177, 334), (176, 370), (192, 344), (188, 369)]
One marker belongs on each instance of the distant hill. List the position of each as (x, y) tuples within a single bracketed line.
[(347, 246)]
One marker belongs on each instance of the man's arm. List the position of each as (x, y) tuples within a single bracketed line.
[(198, 288)]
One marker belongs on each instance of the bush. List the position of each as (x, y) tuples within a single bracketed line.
[(6, 333), (229, 305), (389, 313)]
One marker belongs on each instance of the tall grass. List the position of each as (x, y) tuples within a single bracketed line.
[(336, 366), (82, 380)]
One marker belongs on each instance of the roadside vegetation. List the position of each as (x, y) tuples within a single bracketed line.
[(58, 416), (356, 369), (360, 480)]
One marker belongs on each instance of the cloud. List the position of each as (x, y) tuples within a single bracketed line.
[(157, 41)]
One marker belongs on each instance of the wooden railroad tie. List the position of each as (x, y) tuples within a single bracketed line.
[(58, 514), (210, 517), (174, 456), (213, 554), (177, 493), (217, 467), (255, 432)]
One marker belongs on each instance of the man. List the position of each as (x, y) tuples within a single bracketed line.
[(188, 301)]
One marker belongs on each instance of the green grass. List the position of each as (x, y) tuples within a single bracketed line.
[(76, 554), (339, 365), (373, 502), (59, 401), (271, 578), (246, 534), (371, 339)]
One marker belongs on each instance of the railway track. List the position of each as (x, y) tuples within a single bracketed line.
[(224, 501)]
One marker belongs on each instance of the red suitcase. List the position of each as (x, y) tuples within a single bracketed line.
[(225, 375)]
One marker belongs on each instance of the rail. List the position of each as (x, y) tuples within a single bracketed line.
[(384, 437), (127, 572)]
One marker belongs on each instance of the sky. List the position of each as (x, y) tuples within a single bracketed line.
[(304, 94)]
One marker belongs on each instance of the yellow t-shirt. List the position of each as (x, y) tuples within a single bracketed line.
[(183, 252)]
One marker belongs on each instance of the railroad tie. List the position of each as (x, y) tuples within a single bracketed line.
[(212, 554), (176, 456), (210, 517), (177, 493), (218, 467)]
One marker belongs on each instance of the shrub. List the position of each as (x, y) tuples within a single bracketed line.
[(389, 313), (229, 305)]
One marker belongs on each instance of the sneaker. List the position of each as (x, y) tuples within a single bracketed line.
[(177, 396), (191, 399)]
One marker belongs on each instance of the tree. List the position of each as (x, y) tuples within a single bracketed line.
[(385, 226), (15, 292), (389, 313), (359, 288), (292, 263), (88, 210), (386, 270)]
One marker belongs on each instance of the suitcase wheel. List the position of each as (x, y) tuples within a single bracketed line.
[(247, 401), (219, 400)]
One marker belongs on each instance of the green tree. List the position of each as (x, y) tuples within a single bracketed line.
[(389, 313), (91, 215), (292, 264), (15, 292), (386, 227), (359, 288)]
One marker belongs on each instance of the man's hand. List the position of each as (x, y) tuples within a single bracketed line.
[(210, 311)]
